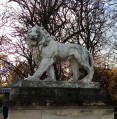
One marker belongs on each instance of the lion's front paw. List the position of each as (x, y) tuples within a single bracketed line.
[(31, 78)]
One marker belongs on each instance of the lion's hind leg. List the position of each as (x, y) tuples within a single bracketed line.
[(75, 69), (51, 73), (90, 73)]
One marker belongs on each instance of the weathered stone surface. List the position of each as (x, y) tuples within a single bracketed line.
[(54, 113), (59, 96), (60, 103), (25, 114), (59, 84)]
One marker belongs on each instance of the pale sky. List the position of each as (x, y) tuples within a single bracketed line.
[(5, 30), (3, 1)]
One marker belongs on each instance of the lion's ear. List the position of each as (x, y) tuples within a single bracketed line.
[(36, 25)]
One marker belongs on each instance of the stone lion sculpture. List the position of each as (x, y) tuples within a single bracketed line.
[(46, 51)]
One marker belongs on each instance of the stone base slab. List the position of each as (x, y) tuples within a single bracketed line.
[(69, 113), (60, 103), (59, 84)]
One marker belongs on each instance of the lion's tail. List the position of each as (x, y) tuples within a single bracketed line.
[(91, 61)]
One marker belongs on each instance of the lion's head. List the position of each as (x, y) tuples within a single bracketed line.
[(36, 34)]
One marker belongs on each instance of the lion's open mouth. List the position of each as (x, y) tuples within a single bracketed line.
[(33, 39), (33, 42)]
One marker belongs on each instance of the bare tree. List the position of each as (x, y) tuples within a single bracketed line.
[(75, 21)]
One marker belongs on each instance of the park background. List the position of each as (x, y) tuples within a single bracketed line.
[(90, 23)]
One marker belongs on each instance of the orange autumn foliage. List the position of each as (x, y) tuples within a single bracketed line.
[(107, 79)]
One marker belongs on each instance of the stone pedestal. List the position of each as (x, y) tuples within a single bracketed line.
[(59, 84), (60, 103)]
